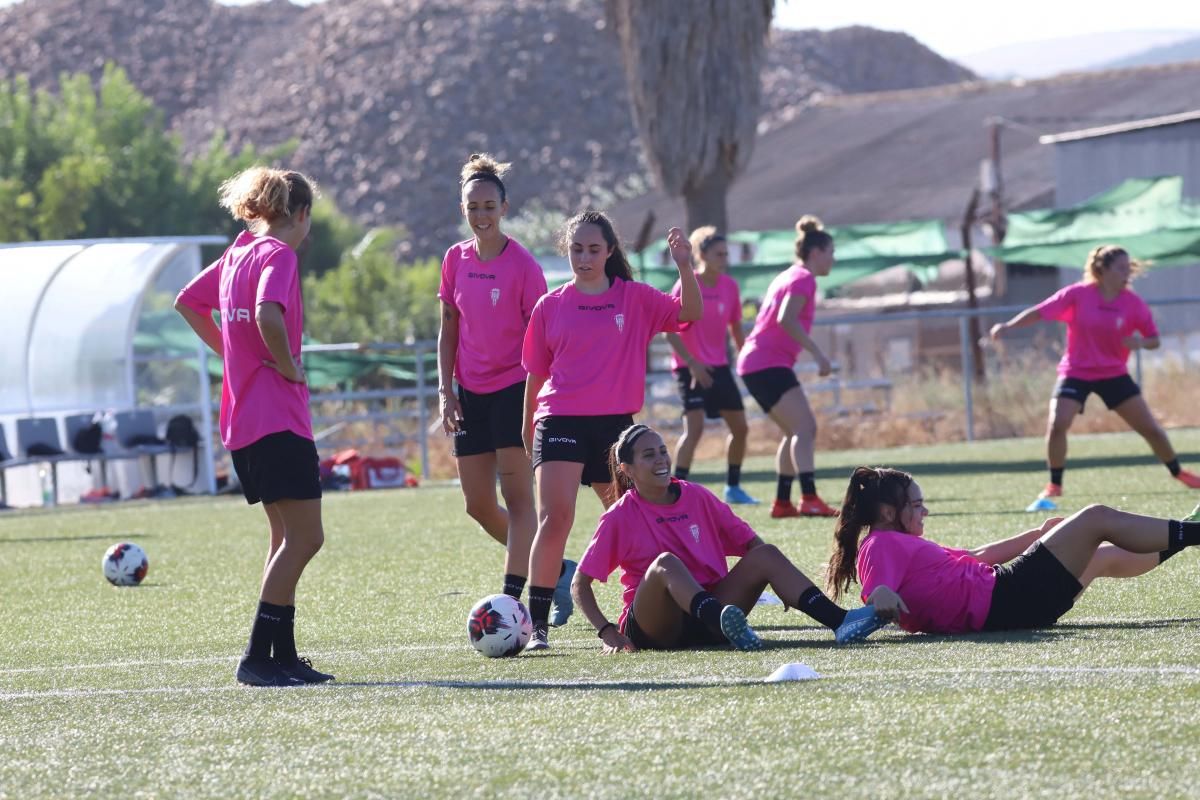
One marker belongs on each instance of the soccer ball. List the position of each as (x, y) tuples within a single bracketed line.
[(499, 625), (125, 564)]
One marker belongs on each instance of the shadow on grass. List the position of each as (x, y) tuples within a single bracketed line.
[(108, 537), (957, 468), (541, 686)]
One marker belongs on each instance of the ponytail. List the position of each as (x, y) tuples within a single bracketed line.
[(622, 453), (617, 265), (869, 489)]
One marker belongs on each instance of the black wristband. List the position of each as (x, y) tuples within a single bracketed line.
[(603, 628)]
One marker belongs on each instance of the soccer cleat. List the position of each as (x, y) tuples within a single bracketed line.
[(736, 496), (737, 630), (538, 640), (560, 612), (813, 506), (1194, 516), (262, 671), (858, 625), (303, 669), (1051, 490), (1188, 479), (783, 508)]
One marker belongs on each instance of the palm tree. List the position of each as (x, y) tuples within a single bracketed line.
[(693, 73)]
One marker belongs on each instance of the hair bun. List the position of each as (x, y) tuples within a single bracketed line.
[(485, 164), (809, 223)]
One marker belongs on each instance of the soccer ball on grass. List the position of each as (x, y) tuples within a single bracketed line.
[(499, 625), (125, 564)]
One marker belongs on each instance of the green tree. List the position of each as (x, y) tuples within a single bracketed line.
[(369, 297)]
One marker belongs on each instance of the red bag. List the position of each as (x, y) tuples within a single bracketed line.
[(382, 473)]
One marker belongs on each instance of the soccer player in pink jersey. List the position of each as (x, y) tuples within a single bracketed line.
[(585, 351), (265, 420), (670, 539), (1027, 581), (765, 363), (490, 284), (701, 361), (1105, 320)]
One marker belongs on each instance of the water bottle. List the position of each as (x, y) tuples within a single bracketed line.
[(47, 487)]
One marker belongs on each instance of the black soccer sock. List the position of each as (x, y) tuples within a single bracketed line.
[(514, 585), (682, 472), (814, 603), (285, 638), (707, 608), (1173, 466), (808, 483), (1183, 534), (733, 474), (262, 633), (783, 492), (540, 598), (1056, 474), (1163, 555)]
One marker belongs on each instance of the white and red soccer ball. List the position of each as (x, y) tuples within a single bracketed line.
[(499, 625), (125, 564)]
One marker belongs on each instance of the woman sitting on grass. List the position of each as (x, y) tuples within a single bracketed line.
[(671, 538), (1027, 581)]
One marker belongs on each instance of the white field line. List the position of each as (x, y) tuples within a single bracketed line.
[(669, 682)]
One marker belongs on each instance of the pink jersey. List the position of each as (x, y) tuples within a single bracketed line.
[(698, 528), (494, 302), (1095, 327), (592, 347), (705, 338), (768, 344), (946, 590), (255, 399)]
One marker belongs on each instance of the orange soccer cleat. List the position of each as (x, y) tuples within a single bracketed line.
[(784, 508), (1051, 490), (813, 506), (1188, 479)]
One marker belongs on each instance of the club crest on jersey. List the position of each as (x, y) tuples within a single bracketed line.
[(695, 529), (1120, 320), (620, 320), (721, 308), (495, 297)]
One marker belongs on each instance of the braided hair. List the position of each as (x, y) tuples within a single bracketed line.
[(870, 489)]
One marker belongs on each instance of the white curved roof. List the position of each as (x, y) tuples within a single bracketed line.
[(70, 313)]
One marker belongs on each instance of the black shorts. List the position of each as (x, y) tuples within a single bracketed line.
[(490, 421), (768, 385), (693, 634), (723, 395), (1113, 391), (582, 440), (279, 466), (1032, 591)]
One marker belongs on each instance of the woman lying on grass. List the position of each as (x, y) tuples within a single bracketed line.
[(671, 538), (1027, 581)]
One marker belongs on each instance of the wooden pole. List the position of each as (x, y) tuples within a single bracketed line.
[(969, 269)]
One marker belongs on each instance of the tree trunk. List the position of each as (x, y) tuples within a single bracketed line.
[(706, 202)]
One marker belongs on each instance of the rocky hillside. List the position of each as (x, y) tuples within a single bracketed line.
[(387, 97)]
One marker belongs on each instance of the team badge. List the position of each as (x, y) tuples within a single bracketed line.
[(695, 529), (495, 297), (620, 320)]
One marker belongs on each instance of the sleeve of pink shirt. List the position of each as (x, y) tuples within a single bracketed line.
[(735, 307), (535, 355), (203, 292), (602, 556), (535, 287), (1145, 320), (663, 309), (1059, 306), (803, 284), (446, 287), (881, 563), (735, 532), (278, 277)]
